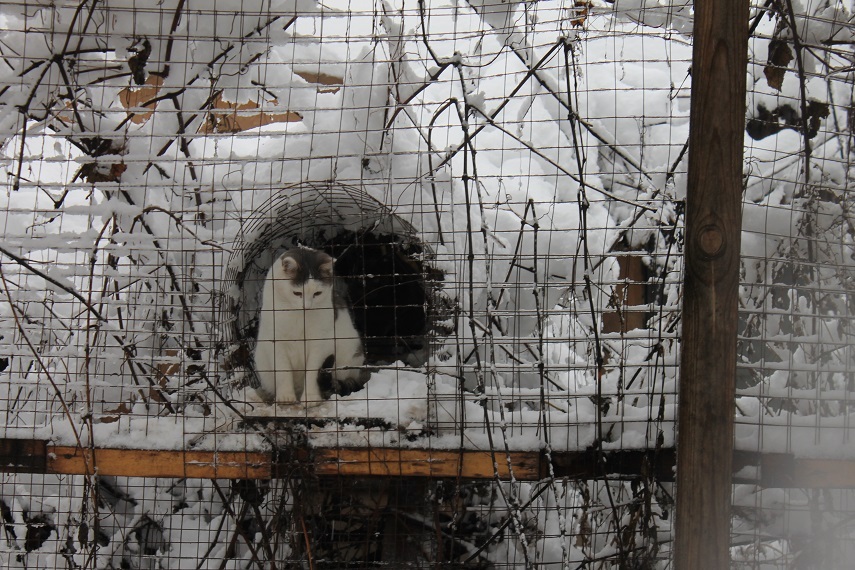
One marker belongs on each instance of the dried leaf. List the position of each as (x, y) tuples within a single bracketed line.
[(816, 111), (780, 56), (581, 10)]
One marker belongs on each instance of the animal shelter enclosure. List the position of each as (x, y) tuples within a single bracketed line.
[(502, 186)]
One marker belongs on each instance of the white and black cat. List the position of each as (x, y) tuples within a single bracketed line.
[(307, 345)]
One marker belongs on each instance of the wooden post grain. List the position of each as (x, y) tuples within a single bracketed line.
[(713, 224)]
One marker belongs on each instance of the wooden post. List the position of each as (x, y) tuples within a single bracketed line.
[(713, 225)]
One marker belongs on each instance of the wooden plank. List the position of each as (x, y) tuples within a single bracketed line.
[(615, 464), (785, 471), (710, 295), (22, 455), (160, 463), (391, 462), (772, 470), (629, 296)]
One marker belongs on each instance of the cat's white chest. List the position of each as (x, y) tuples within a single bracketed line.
[(305, 326), (299, 334), (293, 342)]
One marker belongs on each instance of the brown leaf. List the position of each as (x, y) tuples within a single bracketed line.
[(94, 173), (115, 414), (780, 56), (581, 9), (816, 111)]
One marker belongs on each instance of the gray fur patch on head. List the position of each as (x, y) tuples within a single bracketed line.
[(303, 263), (325, 269), (290, 267)]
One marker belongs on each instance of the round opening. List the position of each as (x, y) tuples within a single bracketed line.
[(391, 285)]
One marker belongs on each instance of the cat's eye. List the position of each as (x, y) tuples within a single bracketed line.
[(298, 293), (318, 293)]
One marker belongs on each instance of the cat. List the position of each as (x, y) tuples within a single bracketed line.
[(307, 347)]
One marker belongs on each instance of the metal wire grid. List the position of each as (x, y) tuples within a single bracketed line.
[(796, 361), (166, 228), (373, 523), (138, 158)]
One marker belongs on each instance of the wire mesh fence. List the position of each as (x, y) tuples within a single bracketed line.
[(795, 369), (501, 187)]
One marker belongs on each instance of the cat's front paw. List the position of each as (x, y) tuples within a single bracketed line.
[(285, 393), (313, 403), (312, 397), (286, 399)]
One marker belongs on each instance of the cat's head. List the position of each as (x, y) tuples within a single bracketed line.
[(304, 278)]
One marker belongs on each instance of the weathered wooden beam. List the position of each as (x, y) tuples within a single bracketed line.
[(628, 464), (785, 471), (23, 456), (391, 462), (157, 463), (710, 294), (41, 457), (768, 470)]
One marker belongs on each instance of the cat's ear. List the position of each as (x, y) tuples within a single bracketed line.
[(325, 269), (290, 267)]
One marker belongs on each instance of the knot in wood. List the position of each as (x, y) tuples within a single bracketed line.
[(711, 241)]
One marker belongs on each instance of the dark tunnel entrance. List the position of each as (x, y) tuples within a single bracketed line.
[(393, 290), (389, 287)]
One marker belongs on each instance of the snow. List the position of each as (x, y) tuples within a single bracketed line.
[(545, 173)]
